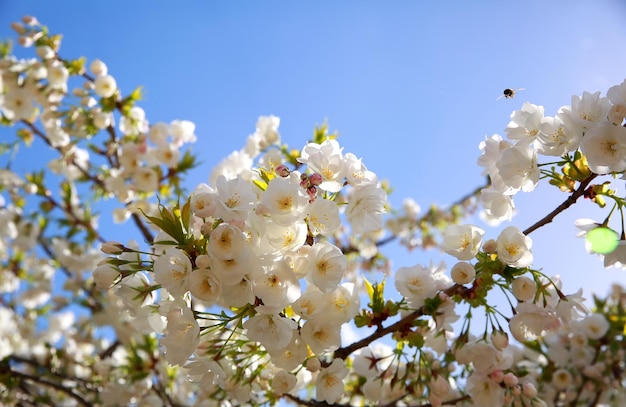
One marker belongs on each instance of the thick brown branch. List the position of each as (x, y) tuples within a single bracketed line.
[(314, 403), (571, 200)]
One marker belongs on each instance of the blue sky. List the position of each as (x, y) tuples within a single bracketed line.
[(411, 86)]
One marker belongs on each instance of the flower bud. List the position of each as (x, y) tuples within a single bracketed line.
[(313, 365), (510, 380), (31, 188), (497, 375), (315, 178), (18, 28), (98, 68), (101, 120), (30, 20), (529, 390), (202, 261), (25, 41), (490, 246), (112, 247), (463, 273), (104, 275), (312, 192), (45, 52), (499, 339), (524, 288), (282, 170)]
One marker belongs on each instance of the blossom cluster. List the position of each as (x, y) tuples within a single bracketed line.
[(251, 243), (587, 137), (245, 290)]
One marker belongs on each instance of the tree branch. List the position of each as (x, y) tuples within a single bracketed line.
[(571, 200), (344, 352), (56, 386)]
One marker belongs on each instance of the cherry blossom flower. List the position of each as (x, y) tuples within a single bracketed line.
[(284, 201), (269, 328), (525, 123), (497, 207), (325, 266), (513, 247), (321, 335), (518, 168), (416, 284), (594, 326), (604, 145), (329, 386), (462, 241), (524, 288), (182, 335), (205, 285), (484, 391), (555, 138), (105, 86), (323, 217), (172, 270), (365, 208), (327, 160)]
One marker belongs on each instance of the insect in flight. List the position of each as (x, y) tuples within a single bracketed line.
[(509, 93)]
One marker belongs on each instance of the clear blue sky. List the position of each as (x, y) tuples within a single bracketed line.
[(410, 85)]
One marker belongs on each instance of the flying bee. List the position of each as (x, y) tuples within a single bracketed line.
[(509, 93)]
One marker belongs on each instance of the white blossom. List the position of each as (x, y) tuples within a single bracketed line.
[(329, 386), (604, 146), (462, 241)]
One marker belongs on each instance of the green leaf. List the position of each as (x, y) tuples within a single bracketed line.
[(188, 162), (370, 289), (5, 48), (185, 213), (170, 224)]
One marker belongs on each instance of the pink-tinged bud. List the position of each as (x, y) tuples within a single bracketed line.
[(206, 228), (25, 41), (282, 170), (510, 380), (112, 247), (18, 28), (30, 20), (313, 365), (490, 246), (497, 376), (315, 178), (312, 191)]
